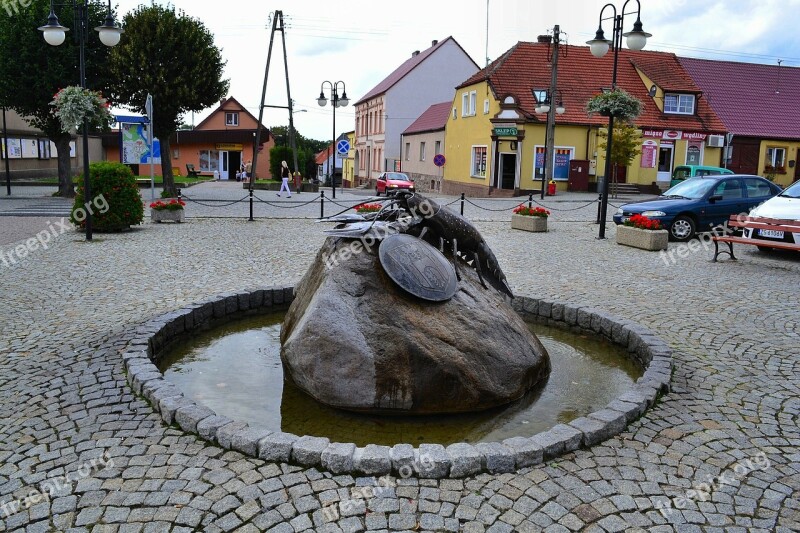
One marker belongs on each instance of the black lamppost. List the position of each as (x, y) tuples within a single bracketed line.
[(599, 46), (54, 34), (336, 101)]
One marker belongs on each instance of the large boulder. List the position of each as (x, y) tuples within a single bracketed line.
[(353, 339)]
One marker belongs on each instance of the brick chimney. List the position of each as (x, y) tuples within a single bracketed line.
[(544, 39), (434, 42), (415, 53)]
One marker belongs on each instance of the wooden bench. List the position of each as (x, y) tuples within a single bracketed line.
[(755, 224), (191, 172)]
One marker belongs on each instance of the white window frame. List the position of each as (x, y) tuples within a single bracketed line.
[(408, 151), (486, 107), (212, 158), (469, 102), (684, 104), (437, 147), (772, 151), (231, 118), (472, 161), (464, 104), (422, 151)]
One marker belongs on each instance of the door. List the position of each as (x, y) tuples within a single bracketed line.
[(223, 165), (731, 200), (665, 158), (234, 162), (508, 171), (578, 175), (744, 156)]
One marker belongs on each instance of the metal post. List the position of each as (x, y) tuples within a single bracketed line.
[(5, 149), (530, 201), (321, 204), (617, 42), (550, 144), (462, 204), (334, 102), (83, 11), (179, 194), (251, 219)]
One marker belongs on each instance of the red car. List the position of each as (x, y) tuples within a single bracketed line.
[(391, 182)]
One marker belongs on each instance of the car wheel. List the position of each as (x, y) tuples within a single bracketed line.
[(682, 228)]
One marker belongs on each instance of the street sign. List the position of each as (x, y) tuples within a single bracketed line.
[(342, 147), (505, 132), (439, 160)]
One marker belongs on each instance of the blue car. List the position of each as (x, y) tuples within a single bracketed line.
[(702, 203)]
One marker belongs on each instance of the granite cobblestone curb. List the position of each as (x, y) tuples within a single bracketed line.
[(142, 351)]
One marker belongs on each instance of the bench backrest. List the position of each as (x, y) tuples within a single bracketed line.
[(742, 221)]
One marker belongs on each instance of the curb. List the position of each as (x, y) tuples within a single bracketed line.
[(432, 461)]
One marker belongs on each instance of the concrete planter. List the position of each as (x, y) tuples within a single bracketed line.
[(160, 215), (528, 223), (645, 239)]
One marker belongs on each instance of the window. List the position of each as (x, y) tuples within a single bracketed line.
[(757, 188), (469, 102), (728, 189), (44, 149), (231, 119), (486, 107), (776, 157), (408, 151), (209, 160), (681, 104), (422, 151), (454, 113), (437, 148), (478, 163)]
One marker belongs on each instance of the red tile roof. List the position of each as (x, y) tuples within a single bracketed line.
[(526, 66), (751, 99), (433, 119), (401, 71), (324, 155)]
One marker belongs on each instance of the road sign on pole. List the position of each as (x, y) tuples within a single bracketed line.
[(342, 147), (439, 160)]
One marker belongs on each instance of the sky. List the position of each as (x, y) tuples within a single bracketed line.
[(361, 42)]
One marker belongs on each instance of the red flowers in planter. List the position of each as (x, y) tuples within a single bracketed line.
[(172, 205), (531, 211), (368, 208), (642, 222)]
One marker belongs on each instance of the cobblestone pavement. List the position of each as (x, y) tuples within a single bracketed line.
[(721, 452)]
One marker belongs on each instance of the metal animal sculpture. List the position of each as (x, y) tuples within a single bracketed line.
[(426, 219)]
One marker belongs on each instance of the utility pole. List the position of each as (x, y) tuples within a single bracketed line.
[(551, 115)]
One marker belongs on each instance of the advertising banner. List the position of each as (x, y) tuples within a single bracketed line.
[(136, 145)]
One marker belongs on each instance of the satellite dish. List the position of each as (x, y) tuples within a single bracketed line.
[(652, 91)]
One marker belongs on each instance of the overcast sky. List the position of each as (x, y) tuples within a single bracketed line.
[(360, 42)]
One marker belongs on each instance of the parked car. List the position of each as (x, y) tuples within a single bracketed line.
[(702, 203), (684, 172), (784, 206), (391, 182)]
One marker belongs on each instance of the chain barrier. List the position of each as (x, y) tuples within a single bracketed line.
[(199, 202), (283, 205)]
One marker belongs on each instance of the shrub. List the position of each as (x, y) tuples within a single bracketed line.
[(115, 203)]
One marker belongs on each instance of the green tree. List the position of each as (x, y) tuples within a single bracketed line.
[(627, 144), (172, 57), (32, 71), (307, 150)]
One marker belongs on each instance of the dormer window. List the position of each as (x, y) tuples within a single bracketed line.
[(231, 119), (679, 104)]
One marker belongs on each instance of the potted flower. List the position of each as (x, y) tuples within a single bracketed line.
[(642, 232), (530, 218), (171, 210), (617, 103), (368, 208), (74, 104)]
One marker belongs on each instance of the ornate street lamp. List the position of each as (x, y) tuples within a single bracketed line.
[(599, 46), (336, 101), (55, 34)]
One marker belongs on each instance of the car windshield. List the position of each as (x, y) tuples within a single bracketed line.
[(792, 191), (693, 188), (396, 176)]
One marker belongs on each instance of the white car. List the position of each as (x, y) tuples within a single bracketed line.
[(784, 206)]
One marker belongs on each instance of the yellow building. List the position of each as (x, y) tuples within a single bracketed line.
[(494, 134)]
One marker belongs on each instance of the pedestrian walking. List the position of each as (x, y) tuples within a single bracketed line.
[(248, 169), (285, 179)]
